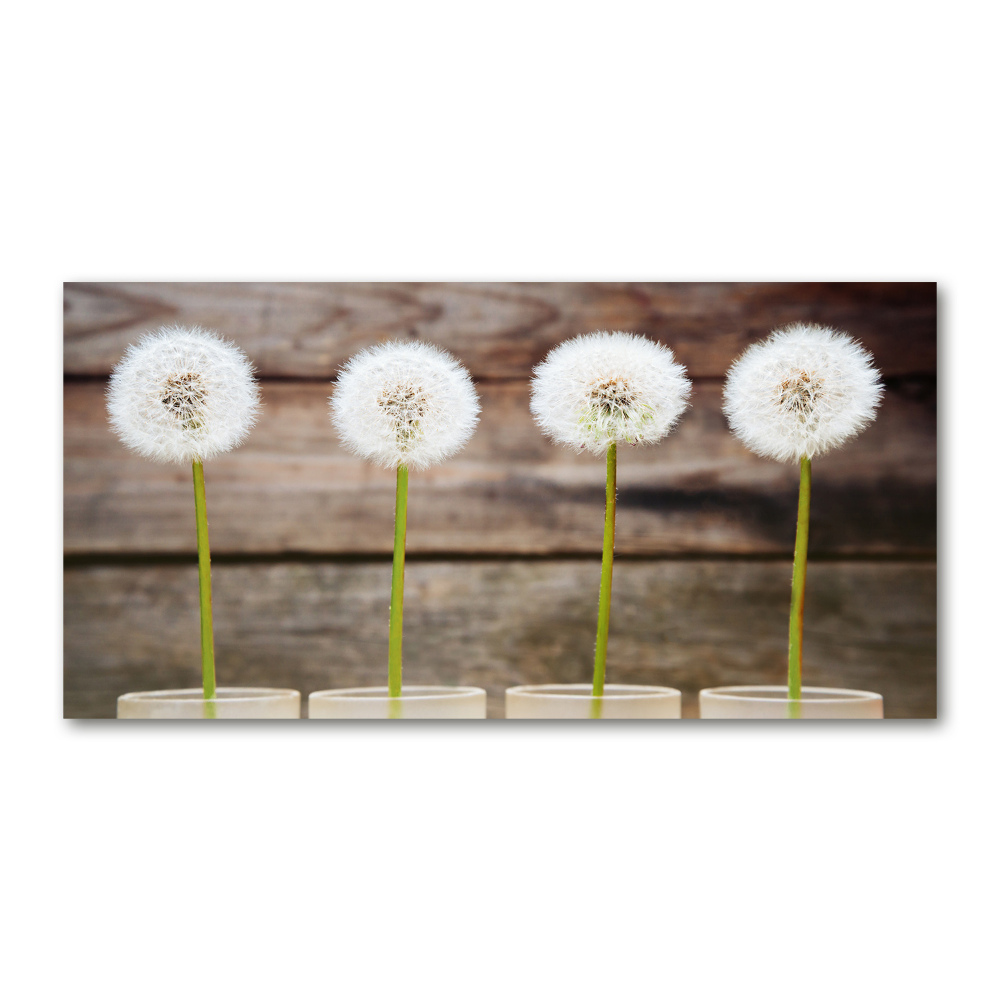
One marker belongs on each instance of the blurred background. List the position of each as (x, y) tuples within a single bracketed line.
[(504, 540)]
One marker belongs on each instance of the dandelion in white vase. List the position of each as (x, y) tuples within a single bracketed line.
[(403, 405), (592, 393), (185, 395), (798, 394)]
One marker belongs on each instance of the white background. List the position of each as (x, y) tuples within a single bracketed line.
[(455, 141)]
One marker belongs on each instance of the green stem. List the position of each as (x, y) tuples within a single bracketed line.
[(204, 591), (607, 564), (798, 591), (396, 602)]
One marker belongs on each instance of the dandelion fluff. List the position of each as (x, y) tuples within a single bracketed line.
[(404, 403), (183, 394), (601, 388), (804, 390)]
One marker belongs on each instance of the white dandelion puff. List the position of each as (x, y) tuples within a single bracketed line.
[(404, 403), (602, 388), (804, 390), (183, 394)]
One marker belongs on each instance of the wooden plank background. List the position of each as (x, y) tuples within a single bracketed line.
[(504, 540)]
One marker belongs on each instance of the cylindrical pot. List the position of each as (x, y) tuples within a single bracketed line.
[(228, 703), (417, 701), (576, 701), (772, 702)]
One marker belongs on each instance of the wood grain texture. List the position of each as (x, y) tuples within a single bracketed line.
[(499, 330), (688, 624), (291, 487)]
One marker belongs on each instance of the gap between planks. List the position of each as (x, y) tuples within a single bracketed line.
[(82, 560)]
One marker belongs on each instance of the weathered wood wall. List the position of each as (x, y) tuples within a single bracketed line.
[(504, 539)]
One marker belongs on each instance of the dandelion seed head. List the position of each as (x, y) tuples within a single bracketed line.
[(404, 403), (602, 388), (182, 394), (804, 390)]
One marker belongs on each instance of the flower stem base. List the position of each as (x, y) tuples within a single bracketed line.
[(607, 565), (204, 591), (798, 590), (396, 601)]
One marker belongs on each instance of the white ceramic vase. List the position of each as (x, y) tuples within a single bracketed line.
[(228, 703), (771, 702), (575, 701), (418, 701)]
